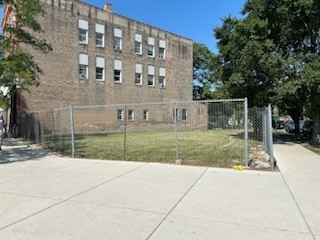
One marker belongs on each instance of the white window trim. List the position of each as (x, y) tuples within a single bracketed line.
[(152, 80), (117, 65), (138, 39), (164, 53), (147, 115), (151, 72), (117, 33), (83, 60), (86, 41), (121, 114), (83, 24), (162, 44), (186, 114), (132, 115), (153, 50), (100, 63), (162, 73), (139, 69), (140, 83)]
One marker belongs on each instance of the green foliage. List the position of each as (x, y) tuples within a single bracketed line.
[(247, 59), (272, 54), (18, 66), (203, 60)]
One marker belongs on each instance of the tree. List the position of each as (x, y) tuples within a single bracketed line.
[(311, 78), (264, 55), (202, 70), (294, 27), (17, 66)]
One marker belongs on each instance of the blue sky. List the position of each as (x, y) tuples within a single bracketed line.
[(194, 19)]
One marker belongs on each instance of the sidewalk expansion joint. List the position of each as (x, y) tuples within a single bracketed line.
[(69, 198), (300, 211), (167, 215)]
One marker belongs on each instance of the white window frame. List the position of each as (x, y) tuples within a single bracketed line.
[(138, 40), (146, 115), (151, 75), (120, 116), (162, 45), (162, 74), (117, 34), (184, 114), (130, 115), (175, 114), (100, 63), (83, 62), (117, 66), (150, 45), (83, 26), (139, 68), (100, 30)]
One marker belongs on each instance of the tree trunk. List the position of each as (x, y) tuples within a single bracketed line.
[(297, 127), (315, 130)]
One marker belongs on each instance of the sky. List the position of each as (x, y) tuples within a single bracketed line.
[(193, 19)]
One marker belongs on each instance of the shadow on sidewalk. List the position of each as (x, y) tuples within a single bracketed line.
[(15, 150), (282, 137)]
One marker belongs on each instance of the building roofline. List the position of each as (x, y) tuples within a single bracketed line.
[(131, 19)]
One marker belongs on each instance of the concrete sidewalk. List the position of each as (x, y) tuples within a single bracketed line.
[(300, 169), (47, 197)]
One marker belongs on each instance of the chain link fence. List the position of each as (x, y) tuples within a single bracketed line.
[(213, 133), (261, 135)]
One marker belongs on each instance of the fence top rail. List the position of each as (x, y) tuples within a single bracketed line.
[(160, 103), (53, 109), (143, 104)]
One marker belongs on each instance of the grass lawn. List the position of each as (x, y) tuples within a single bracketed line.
[(200, 147), (308, 145)]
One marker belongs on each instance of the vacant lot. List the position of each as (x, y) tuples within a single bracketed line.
[(201, 147)]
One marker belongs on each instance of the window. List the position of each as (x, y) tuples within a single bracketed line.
[(176, 114), (99, 35), (83, 31), (120, 114), (150, 80), (145, 115), (83, 66), (162, 49), (138, 74), (150, 47), (117, 39), (184, 114), (117, 75), (100, 63), (138, 44), (162, 77), (130, 115), (150, 75)]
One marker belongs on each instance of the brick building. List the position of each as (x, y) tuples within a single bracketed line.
[(100, 57)]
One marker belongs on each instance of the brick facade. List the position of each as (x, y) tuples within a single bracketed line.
[(60, 84)]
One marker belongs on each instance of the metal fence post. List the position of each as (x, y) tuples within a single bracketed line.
[(72, 131), (270, 137), (124, 154), (176, 131), (246, 132), (264, 130)]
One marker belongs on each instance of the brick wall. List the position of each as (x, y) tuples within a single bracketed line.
[(60, 85)]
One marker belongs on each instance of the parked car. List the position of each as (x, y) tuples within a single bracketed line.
[(279, 124), (290, 126), (307, 128)]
